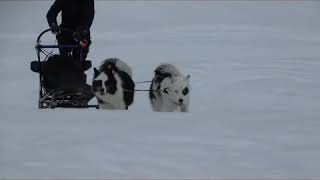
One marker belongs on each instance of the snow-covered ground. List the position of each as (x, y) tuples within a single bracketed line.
[(255, 108)]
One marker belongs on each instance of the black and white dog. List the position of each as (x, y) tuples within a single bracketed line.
[(169, 90), (113, 85)]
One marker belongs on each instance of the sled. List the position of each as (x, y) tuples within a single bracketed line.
[(62, 79)]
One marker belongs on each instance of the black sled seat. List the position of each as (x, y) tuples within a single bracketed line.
[(64, 82), (62, 72), (35, 65)]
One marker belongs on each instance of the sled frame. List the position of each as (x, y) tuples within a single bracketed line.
[(57, 98)]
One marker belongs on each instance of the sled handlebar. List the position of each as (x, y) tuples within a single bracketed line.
[(49, 29), (39, 46), (66, 46)]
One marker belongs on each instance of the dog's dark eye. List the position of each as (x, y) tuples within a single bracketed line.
[(185, 91), (165, 90)]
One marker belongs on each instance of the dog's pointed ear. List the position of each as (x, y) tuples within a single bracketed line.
[(96, 72), (188, 77)]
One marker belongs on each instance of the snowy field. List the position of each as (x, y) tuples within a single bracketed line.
[(255, 104)]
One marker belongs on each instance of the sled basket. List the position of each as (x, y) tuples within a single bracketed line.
[(62, 78)]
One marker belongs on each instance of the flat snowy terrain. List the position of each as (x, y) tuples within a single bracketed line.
[(255, 103)]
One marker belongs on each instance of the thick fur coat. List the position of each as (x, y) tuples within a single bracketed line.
[(113, 85), (169, 90)]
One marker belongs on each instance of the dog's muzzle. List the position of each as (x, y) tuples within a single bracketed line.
[(180, 102)]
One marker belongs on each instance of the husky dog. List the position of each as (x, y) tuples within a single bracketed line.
[(169, 90), (113, 85)]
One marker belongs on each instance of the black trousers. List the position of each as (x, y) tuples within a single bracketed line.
[(66, 38)]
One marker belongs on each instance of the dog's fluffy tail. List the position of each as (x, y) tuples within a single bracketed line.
[(166, 69), (121, 65)]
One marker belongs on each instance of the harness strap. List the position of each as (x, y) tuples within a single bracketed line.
[(142, 82), (139, 90)]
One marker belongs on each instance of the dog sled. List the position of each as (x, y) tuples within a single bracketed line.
[(62, 79)]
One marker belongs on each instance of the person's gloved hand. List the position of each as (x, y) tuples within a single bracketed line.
[(83, 37), (54, 28), (76, 36), (84, 43)]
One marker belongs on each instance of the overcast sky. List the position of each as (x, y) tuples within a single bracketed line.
[(29, 16)]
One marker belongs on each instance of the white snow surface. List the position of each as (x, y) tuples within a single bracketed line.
[(255, 103)]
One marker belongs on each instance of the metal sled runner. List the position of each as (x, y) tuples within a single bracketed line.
[(62, 78)]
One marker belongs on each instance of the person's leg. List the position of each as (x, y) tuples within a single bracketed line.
[(80, 54), (76, 54), (65, 38), (84, 53)]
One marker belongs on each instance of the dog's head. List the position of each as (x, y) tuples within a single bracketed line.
[(104, 81), (176, 89)]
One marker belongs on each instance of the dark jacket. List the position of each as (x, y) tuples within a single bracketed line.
[(76, 14)]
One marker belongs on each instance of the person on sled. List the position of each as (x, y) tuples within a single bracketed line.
[(76, 16)]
